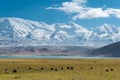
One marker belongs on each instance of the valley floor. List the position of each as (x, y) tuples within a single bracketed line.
[(59, 69)]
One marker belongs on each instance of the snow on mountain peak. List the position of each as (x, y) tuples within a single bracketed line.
[(21, 31), (20, 28), (107, 28), (108, 33)]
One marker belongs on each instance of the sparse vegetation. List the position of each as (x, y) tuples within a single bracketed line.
[(59, 69)]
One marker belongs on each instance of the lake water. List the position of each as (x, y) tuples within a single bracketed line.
[(59, 57)]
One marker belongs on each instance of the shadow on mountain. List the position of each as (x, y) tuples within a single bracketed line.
[(112, 50)]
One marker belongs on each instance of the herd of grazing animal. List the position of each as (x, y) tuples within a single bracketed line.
[(107, 70), (56, 69), (42, 68)]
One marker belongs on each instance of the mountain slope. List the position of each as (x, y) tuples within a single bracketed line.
[(21, 32), (15, 27), (108, 32), (112, 50)]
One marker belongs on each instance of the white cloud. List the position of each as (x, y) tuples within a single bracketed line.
[(69, 7), (81, 11), (114, 12), (92, 13)]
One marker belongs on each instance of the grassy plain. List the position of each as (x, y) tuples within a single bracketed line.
[(59, 69)]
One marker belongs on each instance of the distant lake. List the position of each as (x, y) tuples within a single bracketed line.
[(60, 57)]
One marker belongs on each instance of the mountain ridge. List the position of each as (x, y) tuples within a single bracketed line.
[(112, 50), (17, 31)]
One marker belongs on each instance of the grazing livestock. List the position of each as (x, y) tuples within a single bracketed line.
[(14, 71), (6, 69), (29, 68), (71, 68), (91, 67), (106, 70), (52, 68), (111, 69), (15, 77), (42, 68), (68, 67), (62, 68), (55, 69)]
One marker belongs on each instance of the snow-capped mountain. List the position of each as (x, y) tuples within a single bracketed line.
[(108, 33), (19, 32), (20, 28), (16, 31), (71, 30)]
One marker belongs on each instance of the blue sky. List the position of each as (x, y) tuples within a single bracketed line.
[(88, 13)]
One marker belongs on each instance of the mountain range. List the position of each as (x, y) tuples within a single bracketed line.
[(22, 32), (112, 50)]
